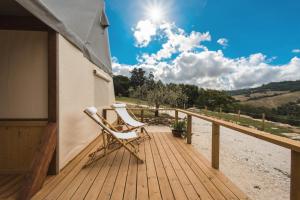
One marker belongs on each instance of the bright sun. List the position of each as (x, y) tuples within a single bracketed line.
[(156, 10), (155, 13)]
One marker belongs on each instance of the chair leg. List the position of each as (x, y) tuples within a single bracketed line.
[(95, 158), (146, 134)]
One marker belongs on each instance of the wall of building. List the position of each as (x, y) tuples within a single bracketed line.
[(23, 74), (78, 89), (23, 95)]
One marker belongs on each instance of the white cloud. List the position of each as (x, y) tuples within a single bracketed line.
[(184, 59), (143, 32), (223, 42), (296, 51), (211, 69), (177, 40)]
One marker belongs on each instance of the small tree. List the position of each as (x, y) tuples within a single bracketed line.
[(157, 96), (175, 96)]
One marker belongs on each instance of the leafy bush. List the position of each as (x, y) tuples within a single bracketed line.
[(180, 125)]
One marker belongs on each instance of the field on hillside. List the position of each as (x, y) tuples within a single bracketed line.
[(258, 95), (271, 101), (270, 127)]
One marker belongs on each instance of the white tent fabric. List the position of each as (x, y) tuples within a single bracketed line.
[(122, 112), (83, 23)]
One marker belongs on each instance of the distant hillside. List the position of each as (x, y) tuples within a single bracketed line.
[(274, 86), (272, 101)]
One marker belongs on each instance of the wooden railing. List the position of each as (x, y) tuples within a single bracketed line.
[(293, 145)]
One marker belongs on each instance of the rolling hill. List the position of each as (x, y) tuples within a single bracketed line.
[(270, 95), (273, 86)]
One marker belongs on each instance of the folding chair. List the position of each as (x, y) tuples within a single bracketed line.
[(130, 123), (112, 140)]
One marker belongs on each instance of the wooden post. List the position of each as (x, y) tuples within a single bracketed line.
[(176, 116), (104, 114), (239, 115), (206, 110), (263, 121), (295, 176), (189, 130), (215, 146), (142, 115)]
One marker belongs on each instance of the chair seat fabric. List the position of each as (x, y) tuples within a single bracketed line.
[(122, 112)]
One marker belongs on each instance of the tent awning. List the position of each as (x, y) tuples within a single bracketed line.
[(84, 23)]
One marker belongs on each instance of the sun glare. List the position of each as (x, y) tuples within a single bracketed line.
[(156, 10), (156, 14)]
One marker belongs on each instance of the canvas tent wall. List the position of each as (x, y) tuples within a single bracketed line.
[(83, 23), (80, 47), (79, 87)]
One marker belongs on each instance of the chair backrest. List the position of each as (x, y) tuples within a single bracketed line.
[(122, 112), (92, 113)]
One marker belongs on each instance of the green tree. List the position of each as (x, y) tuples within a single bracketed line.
[(191, 92), (121, 85), (137, 78)]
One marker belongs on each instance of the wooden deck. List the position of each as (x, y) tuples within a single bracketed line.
[(172, 170), (10, 185)]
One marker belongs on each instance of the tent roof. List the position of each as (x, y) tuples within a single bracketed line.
[(84, 23)]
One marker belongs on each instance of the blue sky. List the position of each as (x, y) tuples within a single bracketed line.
[(250, 35)]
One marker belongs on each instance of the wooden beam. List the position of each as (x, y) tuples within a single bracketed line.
[(38, 172), (52, 75), (295, 176), (189, 130), (27, 23), (53, 91), (215, 146)]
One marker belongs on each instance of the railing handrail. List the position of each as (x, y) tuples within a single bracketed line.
[(268, 137)]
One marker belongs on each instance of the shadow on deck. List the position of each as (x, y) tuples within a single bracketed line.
[(172, 170)]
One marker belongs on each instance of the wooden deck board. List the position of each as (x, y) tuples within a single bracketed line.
[(192, 185), (165, 189), (142, 182), (119, 187), (172, 170), (186, 184), (173, 179), (225, 186)]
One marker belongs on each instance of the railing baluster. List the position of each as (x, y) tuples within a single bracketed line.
[(189, 130), (263, 121), (295, 176), (142, 115), (215, 150)]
